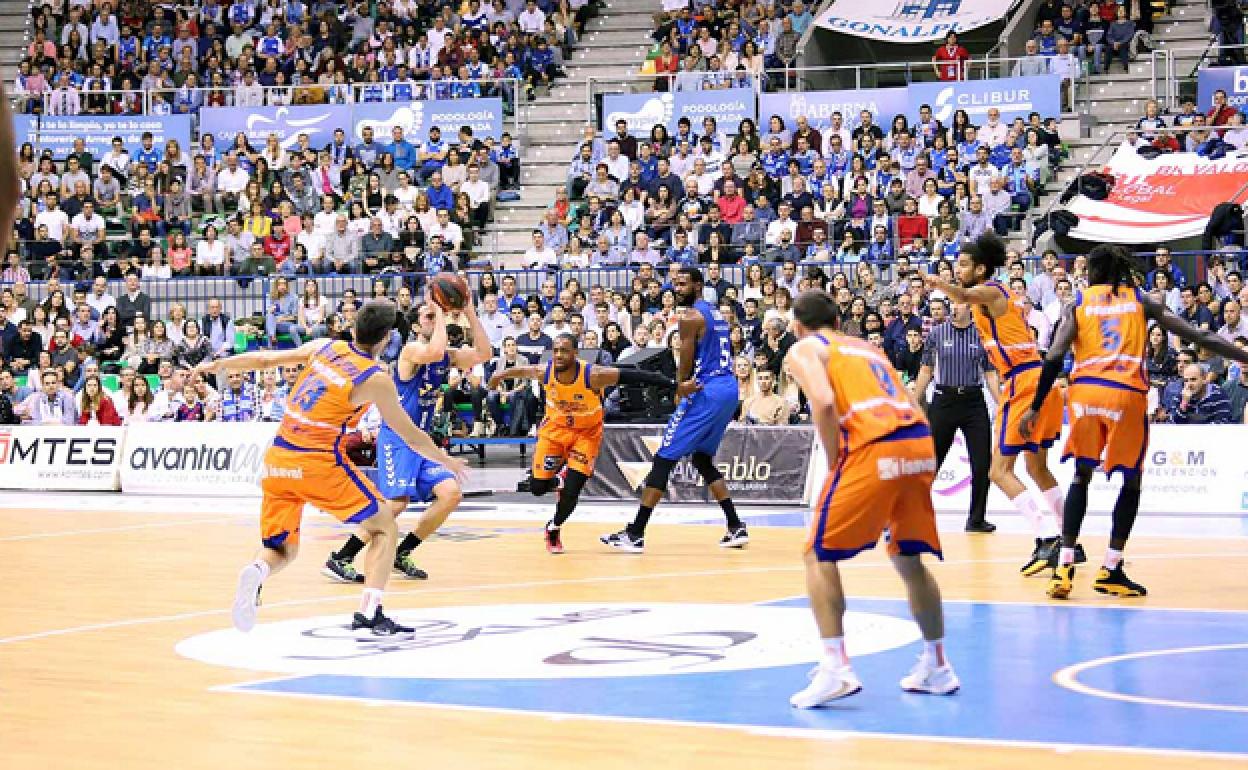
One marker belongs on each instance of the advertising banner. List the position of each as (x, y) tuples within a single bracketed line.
[(1232, 80), (818, 106), (213, 459), (484, 116), (728, 106), (762, 465), (58, 132), (1187, 470), (910, 21), (318, 121), (1014, 97), (1159, 200), (56, 457)]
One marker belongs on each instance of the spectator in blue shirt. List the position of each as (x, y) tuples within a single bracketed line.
[(800, 17), (432, 155), (401, 150), (1163, 265), (440, 196), (1194, 312), (148, 155), (1200, 402)]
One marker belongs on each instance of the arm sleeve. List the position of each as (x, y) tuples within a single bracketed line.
[(638, 377)]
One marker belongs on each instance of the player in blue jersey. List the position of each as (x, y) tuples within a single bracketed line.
[(708, 400), (402, 474)]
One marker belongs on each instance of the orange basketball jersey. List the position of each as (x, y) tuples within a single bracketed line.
[(1007, 339), (870, 399), (575, 405), (1111, 334), (319, 409)]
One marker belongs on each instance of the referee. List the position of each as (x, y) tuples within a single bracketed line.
[(954, 357)]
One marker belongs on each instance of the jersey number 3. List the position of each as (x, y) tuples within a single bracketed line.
[(308, 393)]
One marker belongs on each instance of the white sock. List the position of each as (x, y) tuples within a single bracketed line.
[(264, 568), (1112, 558), (1056, 501), (370, 601), (834, 652), (1032, 511), (935, 650), (1066, 557)]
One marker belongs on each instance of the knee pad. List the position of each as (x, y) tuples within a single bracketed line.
[(706, 467), (540, 487), (659, 471)]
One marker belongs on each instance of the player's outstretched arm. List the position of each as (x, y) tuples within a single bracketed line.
[(481, 350), (1200, 337), (250, 362), (516, 373), (1054, 360), (605, 376), (805, 363), (379, 389), (987, 296)]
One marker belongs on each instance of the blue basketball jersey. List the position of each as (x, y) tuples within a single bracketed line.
[(714, 348), (419, 395)]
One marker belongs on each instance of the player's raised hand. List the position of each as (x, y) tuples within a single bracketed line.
[(934, 281)]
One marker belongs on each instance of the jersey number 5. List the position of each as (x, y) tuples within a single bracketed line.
[(309, 392)]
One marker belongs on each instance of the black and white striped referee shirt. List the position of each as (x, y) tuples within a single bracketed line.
[(956, 356)]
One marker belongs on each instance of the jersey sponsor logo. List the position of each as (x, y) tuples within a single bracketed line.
[(890, 468), (547, 641), (1085, 410)]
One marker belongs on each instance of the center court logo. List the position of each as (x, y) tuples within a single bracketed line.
[(547, 641)]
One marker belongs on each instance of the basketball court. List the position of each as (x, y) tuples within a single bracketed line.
[(116, 648)]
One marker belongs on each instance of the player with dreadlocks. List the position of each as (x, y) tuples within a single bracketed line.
[(1011, 347), (1107, 323)]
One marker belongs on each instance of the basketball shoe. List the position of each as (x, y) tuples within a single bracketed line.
[(1116, 583), (379, 624), (1062, 582), (341, 570), (735, 538), (243, 613), (554, 543), (405, 565), (624, 541), (827, 683), (1046, 548), (930, 678)]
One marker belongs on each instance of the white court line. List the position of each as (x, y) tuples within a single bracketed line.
[(104, 530), (1069, 678), (589, 580), (783, 732)]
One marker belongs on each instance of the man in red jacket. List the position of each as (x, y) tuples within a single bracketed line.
[(278, 245), (950, 59)]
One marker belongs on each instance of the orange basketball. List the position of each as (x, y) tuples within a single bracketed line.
[(449, 290)]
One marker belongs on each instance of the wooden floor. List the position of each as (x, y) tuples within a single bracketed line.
[(95, 603)]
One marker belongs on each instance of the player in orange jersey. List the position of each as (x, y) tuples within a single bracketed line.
[(880, 446), (1011, 347), (571, 431), (1107, 324), (306, 463)]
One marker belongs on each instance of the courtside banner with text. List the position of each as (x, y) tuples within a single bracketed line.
[(1161, 199), (1188, 470), (910, 21), (58, 132), (760, 464), (1014, 97), (818, 106), (1232, 80), (256, 123), (728, 106), (483, 116), (60, 457), (210, 459)]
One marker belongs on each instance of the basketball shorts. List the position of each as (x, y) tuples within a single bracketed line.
[(559, 445), (401, 472), (325, 479), (1108, 428), (1015, 401), (699, 422), (886, 484)]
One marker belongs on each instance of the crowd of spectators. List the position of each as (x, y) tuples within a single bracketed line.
[(57, 353), (131, 57)]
